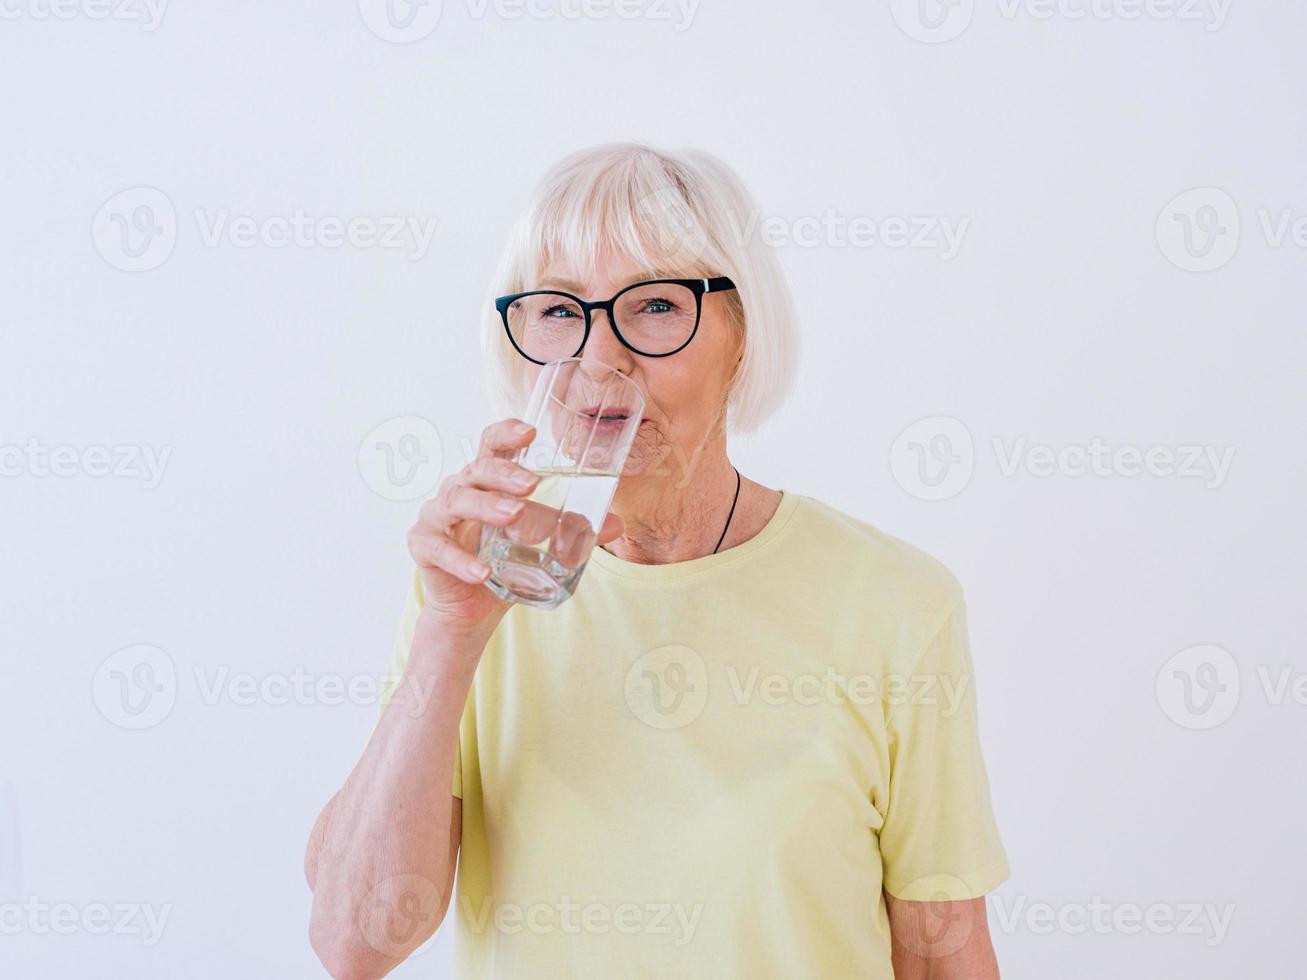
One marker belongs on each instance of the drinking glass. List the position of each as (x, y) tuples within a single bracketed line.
[(586, 415)]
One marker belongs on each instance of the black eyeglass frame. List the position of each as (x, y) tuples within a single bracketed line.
[(699, 287)]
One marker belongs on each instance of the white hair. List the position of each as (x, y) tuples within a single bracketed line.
[(678, 215)]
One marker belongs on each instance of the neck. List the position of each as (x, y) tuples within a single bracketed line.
[(677, 516)]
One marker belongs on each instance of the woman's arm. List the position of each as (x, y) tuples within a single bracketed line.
[(381, 857), (941, 940)]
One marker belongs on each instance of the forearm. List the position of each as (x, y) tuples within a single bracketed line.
[(384, 841)]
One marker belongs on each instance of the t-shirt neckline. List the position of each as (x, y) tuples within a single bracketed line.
[(622, 568)]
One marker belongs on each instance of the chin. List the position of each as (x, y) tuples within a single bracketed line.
[(650, 451)]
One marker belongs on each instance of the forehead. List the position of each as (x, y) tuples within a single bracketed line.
[(608, 273)]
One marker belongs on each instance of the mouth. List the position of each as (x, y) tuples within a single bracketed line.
[(611, 417)]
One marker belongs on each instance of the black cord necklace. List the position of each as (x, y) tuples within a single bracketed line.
[(728, 516), (732, 513)]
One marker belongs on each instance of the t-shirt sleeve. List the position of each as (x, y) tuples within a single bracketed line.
[(939, 840), (399, 661)]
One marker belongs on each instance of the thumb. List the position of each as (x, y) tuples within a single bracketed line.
[(612, 529)]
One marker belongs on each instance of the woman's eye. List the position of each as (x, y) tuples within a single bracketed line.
[(657, 306), (559, 311)]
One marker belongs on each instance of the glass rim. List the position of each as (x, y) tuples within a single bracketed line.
[(557, 366)]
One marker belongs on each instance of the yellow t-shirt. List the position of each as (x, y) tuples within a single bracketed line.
[(712, 768)]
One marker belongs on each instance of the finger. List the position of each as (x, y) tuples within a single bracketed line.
[(504, 438), (468, 503), (431, 549), (612, 528), (491, 473), (536, 523), (574, 540)]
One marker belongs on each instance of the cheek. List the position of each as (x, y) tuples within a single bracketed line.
[(681, 393)]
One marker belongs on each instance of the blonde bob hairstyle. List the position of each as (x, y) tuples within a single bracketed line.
[(676, 215)]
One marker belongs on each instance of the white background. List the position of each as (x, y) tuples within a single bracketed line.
[(264, 551)]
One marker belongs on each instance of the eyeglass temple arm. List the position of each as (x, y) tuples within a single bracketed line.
[(717, 285)]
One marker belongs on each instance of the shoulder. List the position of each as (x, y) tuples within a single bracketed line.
[(901, 586)]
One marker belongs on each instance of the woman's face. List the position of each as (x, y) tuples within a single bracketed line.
[(685, 393)]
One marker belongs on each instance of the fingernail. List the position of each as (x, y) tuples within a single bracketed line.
[(522, 429), (509, 506)]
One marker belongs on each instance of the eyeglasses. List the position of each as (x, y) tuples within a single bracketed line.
[(655, 318)]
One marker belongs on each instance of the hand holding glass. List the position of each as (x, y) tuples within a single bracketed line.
[(586, 416)]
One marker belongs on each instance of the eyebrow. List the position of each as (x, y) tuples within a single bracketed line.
[(576, 287)]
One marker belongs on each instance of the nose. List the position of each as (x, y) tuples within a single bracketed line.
[(602, 345)]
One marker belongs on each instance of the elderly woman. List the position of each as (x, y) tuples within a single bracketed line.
[(746, 747)]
